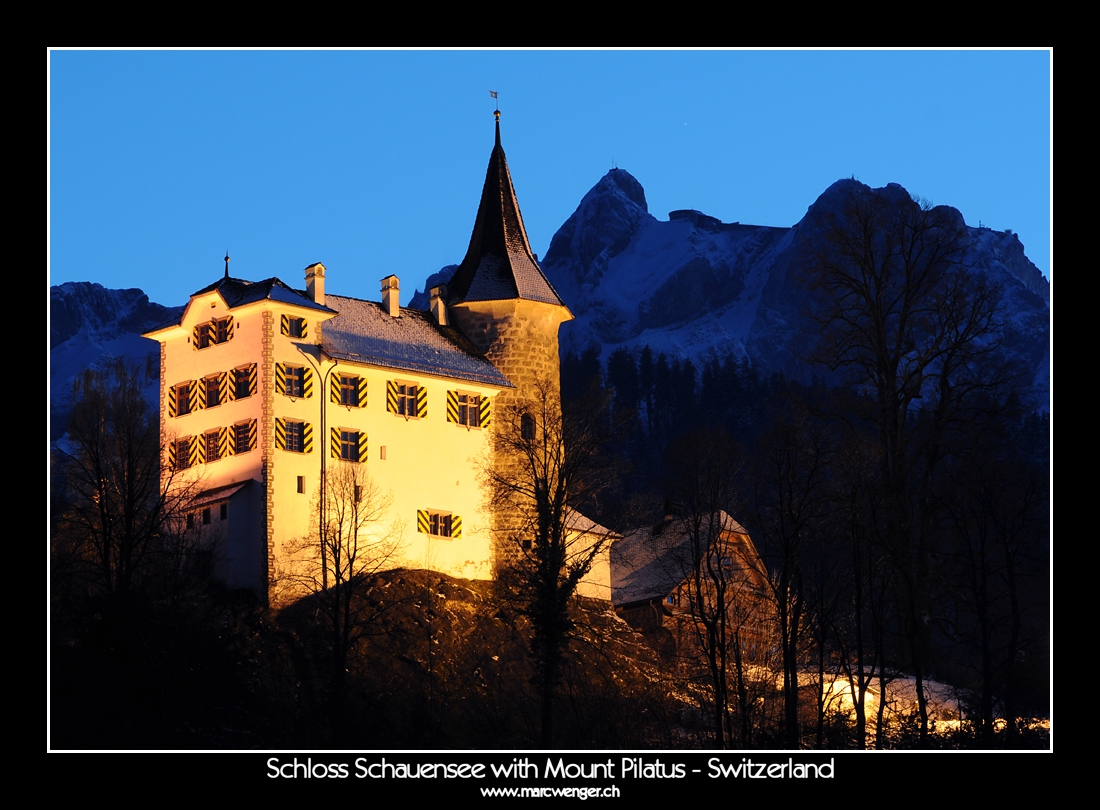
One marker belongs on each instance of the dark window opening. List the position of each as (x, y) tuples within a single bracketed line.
[(242, 386), (349, 391)]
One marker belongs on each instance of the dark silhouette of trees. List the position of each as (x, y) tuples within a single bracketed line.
[(351, 542), (546, 465), (723, 577), (788, 505), (903, 320), (118, 500)]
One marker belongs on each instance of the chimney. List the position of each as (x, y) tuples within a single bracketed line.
[(391, 296), (315, 283), (439, 305)]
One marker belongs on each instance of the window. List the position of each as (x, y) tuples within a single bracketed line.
[(182, 394), (301, 484), (349, 445), (219, 330), (297, 437), (190, 520), (438, 524), (349, 391), (183, 454), (213, 391), (206, 516), (406, 399), (243, 379), (293, 327), (223, 511), (295, 381), (294, 438), (211, 443), (469, 410), (242, 436), (527, 427)]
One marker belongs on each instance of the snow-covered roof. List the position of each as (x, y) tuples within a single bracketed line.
[(575, 521), (238, 292), (217, 494), (363, 332), (650, 562)]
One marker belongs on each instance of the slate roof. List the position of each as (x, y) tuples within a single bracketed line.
[(650, 562), (499, 263), (238, 292), (364, 332)]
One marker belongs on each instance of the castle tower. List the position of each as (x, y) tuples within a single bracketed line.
[(500, 299)]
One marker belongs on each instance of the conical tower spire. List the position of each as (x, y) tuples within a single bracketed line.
[(499, 263)]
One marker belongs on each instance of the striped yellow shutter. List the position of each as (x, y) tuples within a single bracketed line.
[(196, 396), (362, 392), (391, 396), (198, 450), (307, 383), (172, 402), (452, 406), (223, 387), (456, 527), (197, 335), (486, 412), (280, 377), (251, 434), (284, 323), (229, 327), (171, 455), (223, 442), (334, 442), (422, 524), (307, 437), (362, 446), (252, 379), (422, 402), (280, 433), (334, 389), (305, 328)]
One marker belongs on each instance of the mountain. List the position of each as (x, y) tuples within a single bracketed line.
[(90, 327), (693, 286), (690, 286)]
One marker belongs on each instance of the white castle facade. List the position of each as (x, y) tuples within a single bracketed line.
[(267, 390)]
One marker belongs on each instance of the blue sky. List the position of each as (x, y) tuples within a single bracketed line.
[(372, 162)]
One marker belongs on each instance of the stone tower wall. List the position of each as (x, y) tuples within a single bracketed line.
[(521, 339)]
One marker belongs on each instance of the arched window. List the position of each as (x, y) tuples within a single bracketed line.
[(527, 427)]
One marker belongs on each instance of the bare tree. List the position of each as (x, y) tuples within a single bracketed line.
[(545, 465), (905, 321), (788, 506), (117, 494), (723, 577), (350, 543)]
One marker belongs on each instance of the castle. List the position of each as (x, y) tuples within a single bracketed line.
[(266, 390)]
